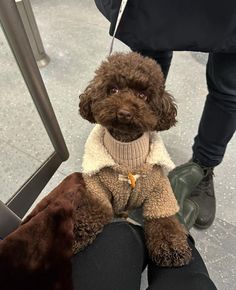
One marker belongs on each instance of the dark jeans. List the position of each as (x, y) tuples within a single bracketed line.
[(118, 256), (218, 121)]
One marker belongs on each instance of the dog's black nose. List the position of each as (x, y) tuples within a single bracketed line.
[(124, 115)]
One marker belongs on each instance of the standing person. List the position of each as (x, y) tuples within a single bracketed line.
[(155, 28)]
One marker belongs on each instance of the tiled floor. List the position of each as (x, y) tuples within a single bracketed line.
[(75, 37)]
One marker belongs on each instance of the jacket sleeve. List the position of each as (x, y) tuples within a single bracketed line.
[(97, 190), (161, 202)]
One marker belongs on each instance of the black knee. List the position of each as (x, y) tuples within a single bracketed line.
[(182, 281), (197, 281)]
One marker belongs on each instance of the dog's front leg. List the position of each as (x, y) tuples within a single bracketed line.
[(167, 242), (91, 217)]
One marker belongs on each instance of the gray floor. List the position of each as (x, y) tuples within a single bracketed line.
[(76, 38)]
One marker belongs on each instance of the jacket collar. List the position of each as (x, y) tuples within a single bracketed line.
[(96, 156)]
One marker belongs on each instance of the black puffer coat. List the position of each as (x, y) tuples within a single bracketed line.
[(199, 25)]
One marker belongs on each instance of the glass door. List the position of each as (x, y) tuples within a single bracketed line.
[(26, 118)]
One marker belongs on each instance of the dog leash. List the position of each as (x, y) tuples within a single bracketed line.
[(121, 11)]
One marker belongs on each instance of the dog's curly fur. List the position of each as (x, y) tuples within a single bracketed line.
[(132, 83), (128, 97), (91, 217), (164, 238)]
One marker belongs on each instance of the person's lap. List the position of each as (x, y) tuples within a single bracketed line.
[(114, 261), (117, 258)]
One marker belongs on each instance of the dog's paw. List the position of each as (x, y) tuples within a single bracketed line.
[(168, 254), (167, 242)]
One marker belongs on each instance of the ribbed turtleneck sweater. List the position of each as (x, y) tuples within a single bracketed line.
[(131, 154)]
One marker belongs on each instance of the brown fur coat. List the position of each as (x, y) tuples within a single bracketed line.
[(37, 255)]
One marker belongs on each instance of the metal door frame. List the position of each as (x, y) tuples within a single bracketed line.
[(18, 41)]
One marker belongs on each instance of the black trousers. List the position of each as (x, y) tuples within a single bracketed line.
[(218, 121), (118, 256)]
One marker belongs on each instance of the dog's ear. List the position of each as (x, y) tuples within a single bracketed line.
[(167, 112), (85, 104)]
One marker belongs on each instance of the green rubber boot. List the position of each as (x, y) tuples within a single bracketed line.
[(184, 179)]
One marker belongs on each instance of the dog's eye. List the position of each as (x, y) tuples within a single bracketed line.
[(142, 96), (114, 90)]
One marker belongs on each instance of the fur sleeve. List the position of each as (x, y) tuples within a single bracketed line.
[(161, 202)]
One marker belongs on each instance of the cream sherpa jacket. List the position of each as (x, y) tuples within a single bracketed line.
[(109, 182)]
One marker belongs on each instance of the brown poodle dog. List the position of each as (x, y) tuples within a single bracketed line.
[(37, 255), (127, 98)]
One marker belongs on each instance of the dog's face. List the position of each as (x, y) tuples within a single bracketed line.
[(127, 94)]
